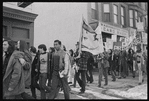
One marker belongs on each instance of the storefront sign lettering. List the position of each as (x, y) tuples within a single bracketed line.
[(113, 30)]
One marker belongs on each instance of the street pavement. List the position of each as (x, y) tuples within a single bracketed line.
[(120, 89)]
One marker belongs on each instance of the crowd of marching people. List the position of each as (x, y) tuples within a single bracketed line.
[(58, 69)]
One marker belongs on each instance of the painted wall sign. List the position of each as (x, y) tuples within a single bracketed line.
[(113, 30)]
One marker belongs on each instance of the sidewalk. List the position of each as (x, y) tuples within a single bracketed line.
[(125, 88)]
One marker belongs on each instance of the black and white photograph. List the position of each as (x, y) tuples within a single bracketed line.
[(75, 50)]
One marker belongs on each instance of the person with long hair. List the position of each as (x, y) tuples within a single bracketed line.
[(51, 51), (13, 76), (130, 60), (70, 69), (22, 47), (122, 64), (145, 55), (140, 63), (43, 70), (34, 74), (7, 52), (76, 58)]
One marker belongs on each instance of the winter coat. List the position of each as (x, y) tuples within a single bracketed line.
[(130, 58), (82, 61), (27, 68), (14, 76), (122, 58), (90, 63), (105, 60), (141, 60), (34, 62), (114, 62)]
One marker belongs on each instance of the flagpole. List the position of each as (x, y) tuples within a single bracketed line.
[(81, 35)]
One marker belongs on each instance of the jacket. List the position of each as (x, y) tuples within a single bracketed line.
[(82, 61), (27, 68), (14, 76), (141, 61), (64, 62)]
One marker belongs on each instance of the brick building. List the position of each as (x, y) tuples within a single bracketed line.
[(62, 21), (18, 23), (118, 15)]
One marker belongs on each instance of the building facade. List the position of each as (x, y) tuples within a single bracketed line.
[(63, 21), (18, 24), (121, 16)]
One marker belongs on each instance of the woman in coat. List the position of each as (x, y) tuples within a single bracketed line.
[(140, 64), (130, 60), (13, 80), (22, 47), (70, 69), (34, 75), (122, 64)]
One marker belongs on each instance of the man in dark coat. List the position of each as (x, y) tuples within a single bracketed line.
[(122, 64)]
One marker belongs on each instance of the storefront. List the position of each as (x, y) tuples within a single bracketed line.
[(110, 33), (114, 32), (18, 25)]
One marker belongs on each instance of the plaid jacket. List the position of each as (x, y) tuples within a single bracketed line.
[(82, 62)]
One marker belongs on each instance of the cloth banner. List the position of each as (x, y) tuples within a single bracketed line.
[(117, 45), (91, 41), (109, 44)]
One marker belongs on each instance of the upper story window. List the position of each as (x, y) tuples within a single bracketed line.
[(106, 11), (94, 11), (122, 15), (136, 17), (4, 31), (131, 18), (146, 6), (139, 4), (145, 22), (115, 13), (140, 17)]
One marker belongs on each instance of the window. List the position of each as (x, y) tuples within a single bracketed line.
[(115, 13), (139, 17), (145, 22), (131, 18), (136, 17), (122, 15), (145, 6), (139, 4), (20, 32), (94, 11), (4, 31), (106, 11)]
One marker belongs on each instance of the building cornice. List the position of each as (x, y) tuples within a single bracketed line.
[(136, 7), (18, 14)]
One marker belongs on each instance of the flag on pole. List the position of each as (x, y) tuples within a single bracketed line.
[(90, 41)]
